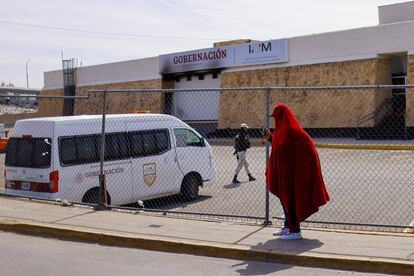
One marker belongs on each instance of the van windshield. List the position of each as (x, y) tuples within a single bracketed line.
[(28, 152)]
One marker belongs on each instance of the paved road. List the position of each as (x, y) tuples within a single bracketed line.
[(24, 255), (366, 186)]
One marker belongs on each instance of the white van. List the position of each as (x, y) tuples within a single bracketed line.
[(146, 156)]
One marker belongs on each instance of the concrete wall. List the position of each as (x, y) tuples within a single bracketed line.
[(314, 109), (396, 12), (354, 44), (118, 72), (53, 80), (115, 72)]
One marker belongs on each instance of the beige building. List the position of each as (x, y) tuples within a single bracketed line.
[(381, 54)]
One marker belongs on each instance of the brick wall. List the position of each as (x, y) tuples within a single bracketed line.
[(121, 103), (51, 107), (314, 109), (117, 103)]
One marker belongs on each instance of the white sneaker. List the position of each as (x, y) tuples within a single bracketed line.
[(281, 231), (291, 236)]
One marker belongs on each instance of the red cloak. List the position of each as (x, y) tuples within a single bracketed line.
[(293, 172)]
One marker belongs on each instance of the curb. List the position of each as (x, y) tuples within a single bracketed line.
[(211, 249)]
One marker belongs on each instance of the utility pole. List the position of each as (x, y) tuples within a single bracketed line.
[(27, 74)]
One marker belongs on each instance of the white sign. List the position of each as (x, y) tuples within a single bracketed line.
[(273, 51)]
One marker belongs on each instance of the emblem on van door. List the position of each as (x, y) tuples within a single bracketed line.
[(150, 173)]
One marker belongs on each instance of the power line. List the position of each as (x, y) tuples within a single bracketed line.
[(105, 33)]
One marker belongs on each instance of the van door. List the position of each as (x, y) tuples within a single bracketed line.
[(193, 153), (80, 156), (155, 170)]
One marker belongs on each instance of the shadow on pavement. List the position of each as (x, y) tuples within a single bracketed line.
[(75, 216), (291, 247), (171, 202), (235, 185)]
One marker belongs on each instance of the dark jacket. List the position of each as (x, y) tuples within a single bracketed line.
[(241, 141)]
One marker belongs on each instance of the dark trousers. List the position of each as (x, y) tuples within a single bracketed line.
[(293, 215)]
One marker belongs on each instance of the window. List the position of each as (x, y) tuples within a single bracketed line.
[(136, 144), (88, 149), (28, 152), (149, 142), (79, 150), (67, 151), (187, 138), (116, 146)]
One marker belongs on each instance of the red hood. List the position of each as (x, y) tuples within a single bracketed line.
[(293, 172)]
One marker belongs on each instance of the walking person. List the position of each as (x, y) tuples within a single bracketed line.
[(293, 172), (241, 144)]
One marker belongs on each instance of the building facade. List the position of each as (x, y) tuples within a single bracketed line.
[(381, 54)]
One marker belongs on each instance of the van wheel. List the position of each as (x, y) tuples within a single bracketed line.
[(190, 188), (92, 196)]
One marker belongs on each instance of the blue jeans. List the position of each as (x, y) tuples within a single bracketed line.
[(286, 224)]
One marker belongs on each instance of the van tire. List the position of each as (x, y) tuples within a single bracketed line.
[(92, 196), (190, 187)]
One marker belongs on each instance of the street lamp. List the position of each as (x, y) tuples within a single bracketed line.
[(27, 74)]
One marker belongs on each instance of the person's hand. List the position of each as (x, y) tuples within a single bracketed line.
[(266, 136)]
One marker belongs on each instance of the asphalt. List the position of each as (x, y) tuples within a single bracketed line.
[(357, 251)]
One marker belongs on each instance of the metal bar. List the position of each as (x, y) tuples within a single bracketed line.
[(267, 220), (102, 184), (44, 97), (348, 87)]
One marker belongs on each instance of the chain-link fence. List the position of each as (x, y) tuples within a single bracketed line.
[(184, 163)]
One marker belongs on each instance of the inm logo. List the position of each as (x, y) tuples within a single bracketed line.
[(260, 47)]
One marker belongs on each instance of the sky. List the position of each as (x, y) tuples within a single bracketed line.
[(35, 33)]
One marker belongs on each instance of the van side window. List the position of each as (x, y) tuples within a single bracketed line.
[(187, 138), (67, 148), (79, 150), (88, 149), (149, 142), (163, 141), (28, 152), (136, 144), (116, 146)]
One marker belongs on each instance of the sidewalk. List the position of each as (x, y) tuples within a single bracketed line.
[(376, 252)]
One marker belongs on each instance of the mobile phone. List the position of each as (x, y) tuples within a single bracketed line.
[(262, 130)]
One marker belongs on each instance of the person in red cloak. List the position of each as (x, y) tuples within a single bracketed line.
[(293, 172)]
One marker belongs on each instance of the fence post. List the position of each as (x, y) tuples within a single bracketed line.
[(267, 93), (103, 201)]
